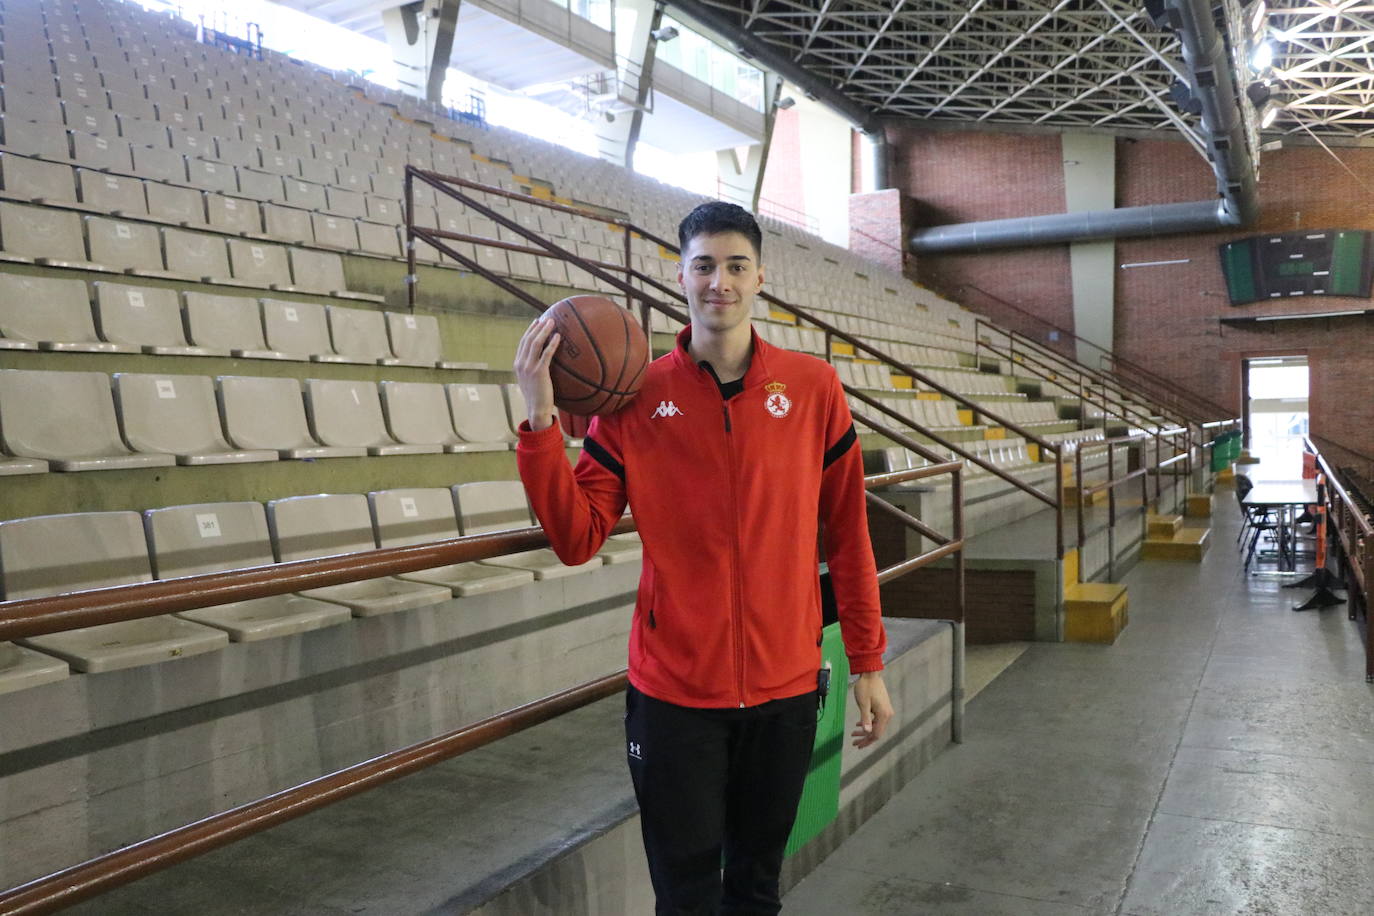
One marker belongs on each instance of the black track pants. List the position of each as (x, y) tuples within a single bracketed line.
[(712, 782)]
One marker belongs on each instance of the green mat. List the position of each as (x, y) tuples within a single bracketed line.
[(820, 801)]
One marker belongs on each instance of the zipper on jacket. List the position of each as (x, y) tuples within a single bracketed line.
[(736, 611)]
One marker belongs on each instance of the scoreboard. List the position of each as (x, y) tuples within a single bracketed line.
[(1332, 262)]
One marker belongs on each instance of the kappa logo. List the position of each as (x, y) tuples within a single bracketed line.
[(635, 750), (667, 409)]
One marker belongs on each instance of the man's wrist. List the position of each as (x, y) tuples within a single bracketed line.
[(542, 421)]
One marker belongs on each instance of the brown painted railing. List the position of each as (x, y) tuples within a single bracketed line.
[(32, 617), (1105, 401), (1355, 534), (1143, 472), (450, 185), (1161, 389), (1051, 366)]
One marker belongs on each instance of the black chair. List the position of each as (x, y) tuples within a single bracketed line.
[(1256, 522)]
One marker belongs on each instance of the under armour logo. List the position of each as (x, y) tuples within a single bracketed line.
[(634, 750), (667, 409)]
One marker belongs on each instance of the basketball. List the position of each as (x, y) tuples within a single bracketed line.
[(601, 357)]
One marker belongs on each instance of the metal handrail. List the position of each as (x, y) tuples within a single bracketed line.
[(1196, 431), (1171, 387), (1127, 412), (1355, 531), (27, 617), (1142, 473), (103, 873), (1048, 373), (445, 184)]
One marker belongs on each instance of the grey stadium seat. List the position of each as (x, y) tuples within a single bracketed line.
[(47, 313), (177, 414), (269, 413), (81, 436), (304, 527), (359, 335), (40, 235), (118, 195), (299, 329), (36, 180), (479, 414), (52, 554), (126, 246), (499, 505), (209, 537), (147, 317), (259, 264), (348, 414), (417, 412), (422, 516), (197, 254), (227, 323)]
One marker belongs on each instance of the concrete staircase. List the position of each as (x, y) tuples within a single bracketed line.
[(1171, 538)]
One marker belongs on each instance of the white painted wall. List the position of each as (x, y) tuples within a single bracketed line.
[(825, 165)]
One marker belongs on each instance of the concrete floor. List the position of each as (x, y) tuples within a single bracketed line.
[(1216, 760)]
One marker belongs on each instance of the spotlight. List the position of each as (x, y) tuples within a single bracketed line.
[(667, 33), (1258, 93), (1182, 96), (1268, 116), (1262, 58)]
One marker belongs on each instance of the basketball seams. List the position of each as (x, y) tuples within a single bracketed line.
[(587, 333), (608, 393)]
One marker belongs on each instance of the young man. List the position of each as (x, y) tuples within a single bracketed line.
[(732, 457)]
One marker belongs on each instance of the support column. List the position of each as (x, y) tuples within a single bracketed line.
[(742, 182), (617, 132), (420, 35), (1090, 184)]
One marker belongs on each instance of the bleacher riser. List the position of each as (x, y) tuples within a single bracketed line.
[(90, 770)]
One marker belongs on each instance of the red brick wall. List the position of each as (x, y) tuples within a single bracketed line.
[(963, 176), (1166, 317)]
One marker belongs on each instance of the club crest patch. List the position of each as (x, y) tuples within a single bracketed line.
[(777, 403)]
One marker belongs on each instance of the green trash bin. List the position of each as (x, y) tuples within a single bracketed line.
[(820, 800), (1225, 449)]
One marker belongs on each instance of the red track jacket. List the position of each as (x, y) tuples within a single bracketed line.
[(728, 496)]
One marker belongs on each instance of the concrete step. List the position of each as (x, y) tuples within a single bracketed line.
[(1200, 505), (1094, 612), (1072, 495), (1187, 545), (1163, 527)]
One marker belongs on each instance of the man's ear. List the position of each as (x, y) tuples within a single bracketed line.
[(760, 286)]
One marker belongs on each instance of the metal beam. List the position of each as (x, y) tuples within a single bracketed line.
[(772, 59)]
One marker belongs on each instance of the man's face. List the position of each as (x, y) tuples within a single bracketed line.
[(720, 275)]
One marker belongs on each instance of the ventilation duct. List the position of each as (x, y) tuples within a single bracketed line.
[(1237, 202)]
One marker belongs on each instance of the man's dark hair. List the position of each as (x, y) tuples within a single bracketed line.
[(717, 216)]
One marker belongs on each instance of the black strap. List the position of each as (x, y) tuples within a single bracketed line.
[(603, 457), (836, 451)]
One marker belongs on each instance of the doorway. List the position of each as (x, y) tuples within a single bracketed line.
[(1276, 391)]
